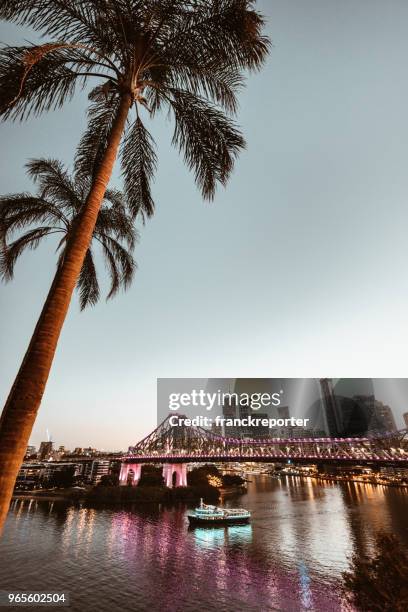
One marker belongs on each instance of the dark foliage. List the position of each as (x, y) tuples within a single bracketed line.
[(107, 494), (151, 476), (232, 480), (199, 476), (379, 583), (109, 480), (124, 495)]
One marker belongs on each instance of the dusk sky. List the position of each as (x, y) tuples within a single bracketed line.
[(298, 268)]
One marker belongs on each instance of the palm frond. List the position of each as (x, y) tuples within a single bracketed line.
[(115, 221), (101, 115), (139, 160), (115, 198), (120, 264), (10, 254), (88, 285), (36, 78), (22, 209), (209, 140), (84, 21), (226, 30), (54, 183), (216, 82)]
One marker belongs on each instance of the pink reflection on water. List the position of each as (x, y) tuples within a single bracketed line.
[(217, 559)]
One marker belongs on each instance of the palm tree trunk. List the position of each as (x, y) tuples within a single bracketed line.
[(22, 404)]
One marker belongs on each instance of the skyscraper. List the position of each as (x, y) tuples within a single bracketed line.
[(385, 416), (45, 450), (331, 412), (379, 416)]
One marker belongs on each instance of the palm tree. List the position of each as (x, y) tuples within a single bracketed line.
[(55, 210), (186, 57)]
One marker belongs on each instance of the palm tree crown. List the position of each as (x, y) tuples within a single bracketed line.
[(184, 56), (55, 210)]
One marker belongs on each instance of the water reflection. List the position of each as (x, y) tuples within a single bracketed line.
[(290, 557), (214, 536), (304, 581)]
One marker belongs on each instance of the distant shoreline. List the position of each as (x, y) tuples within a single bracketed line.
[(400, 485), (60, 495), (119, 495)]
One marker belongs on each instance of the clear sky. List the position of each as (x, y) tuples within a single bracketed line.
[(298, 268)]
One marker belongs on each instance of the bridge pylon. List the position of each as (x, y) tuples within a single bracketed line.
[(175, 474), (125, 470)]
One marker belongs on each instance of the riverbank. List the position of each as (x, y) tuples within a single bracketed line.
[(50, 495), (233, 490), (131, 495), (204, 482), (382, 483), (126, 495)]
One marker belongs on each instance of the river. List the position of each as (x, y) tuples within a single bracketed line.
[(289, 558)]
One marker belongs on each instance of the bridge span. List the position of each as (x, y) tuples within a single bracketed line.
[(175, 446)]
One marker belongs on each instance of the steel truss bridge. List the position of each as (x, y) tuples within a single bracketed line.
[(181, 444)]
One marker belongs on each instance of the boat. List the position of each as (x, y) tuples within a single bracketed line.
[(212, 515)]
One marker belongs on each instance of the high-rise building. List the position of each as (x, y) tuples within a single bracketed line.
[(331, 412), (385, 416), (45, 450), (355, 415), (379, 416), (405, 417)]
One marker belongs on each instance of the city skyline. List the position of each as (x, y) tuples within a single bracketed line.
[(299, 399)]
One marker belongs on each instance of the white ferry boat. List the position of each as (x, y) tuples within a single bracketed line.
[(211, 515)]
